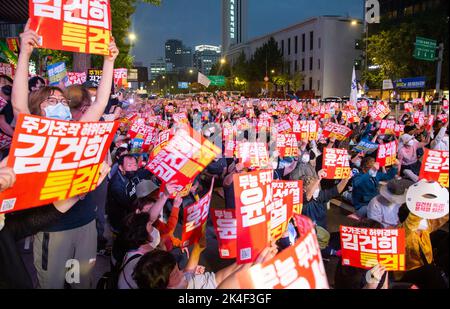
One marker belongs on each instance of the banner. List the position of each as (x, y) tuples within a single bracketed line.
[(435, 167), (7, 69), (253, 155), (76, 78), (120, 78), (203, 79), (333, 130), (57, 73), (75, 26), (13, 45), (252, 197), (297, 267), (387, 127), (195, 217), (305, 129), (185, 156), (224, 221), (387, 154), (336, 163), (379, 111), (365, 248), (55, 160), (366, 146), (287, 145)]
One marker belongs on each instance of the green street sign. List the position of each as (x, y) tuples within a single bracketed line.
[(425, 49), (217, 80)]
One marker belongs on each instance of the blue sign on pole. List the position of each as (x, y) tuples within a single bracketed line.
[(410, 83)]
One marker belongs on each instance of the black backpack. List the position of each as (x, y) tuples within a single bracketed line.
[(110, 279)]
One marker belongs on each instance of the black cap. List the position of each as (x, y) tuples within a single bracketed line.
[(90, 84)]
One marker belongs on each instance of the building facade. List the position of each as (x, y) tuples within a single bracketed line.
[(322, 49), (205, 57), (177, 54), (234, 23)]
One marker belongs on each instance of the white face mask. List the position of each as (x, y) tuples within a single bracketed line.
[(156, 238), (316, 193), (358, 163), (274, 164), (306, 158), (373, 173), (58, 111), (93, 99), (2, 221), (423, 225), (410, 143)]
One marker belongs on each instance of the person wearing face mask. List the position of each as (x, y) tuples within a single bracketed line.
[(315, 199), (304, 166), (141, 237), (420, 265), (122, 190), (407, 155), (366, 184)]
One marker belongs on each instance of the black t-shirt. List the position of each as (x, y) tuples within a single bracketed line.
[(8, 112)]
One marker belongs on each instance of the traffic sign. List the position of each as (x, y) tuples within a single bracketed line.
[(425, 49), (218, 80)]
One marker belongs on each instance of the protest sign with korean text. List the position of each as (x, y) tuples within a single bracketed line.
[(76, 78), (297, 267), (185, 156), (57, 74), (366, 146), (428, 200), (77, 26), (252, 198), (334, 130), (54, 160), (224, 221), (7, 69), (387, 154), (253, 155), (287, 145), (336, 163), (305, 129), (365, 247), (380, 111), (195, 217), (95, 76), (435, 167), (387, 127), (121, 77)]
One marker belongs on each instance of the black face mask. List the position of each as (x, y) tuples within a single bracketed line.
[(130, 175)]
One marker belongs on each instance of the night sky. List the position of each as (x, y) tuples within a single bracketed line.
[(198, 22)]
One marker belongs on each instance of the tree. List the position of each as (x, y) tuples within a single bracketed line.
[(296, 81), (267, 57)]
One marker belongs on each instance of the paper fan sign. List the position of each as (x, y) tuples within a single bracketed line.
[(428, 200)]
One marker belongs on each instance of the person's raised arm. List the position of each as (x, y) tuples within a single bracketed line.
[(194, 257), (95, 111), (28, 41), (169, 190)]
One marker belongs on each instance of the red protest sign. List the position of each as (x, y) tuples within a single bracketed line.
[(399, 129), (54, 160), (297, 267), (284, 127), (180, 118), (76, 78), (387, 154), (184, 157), (409, 108), (252, 197), (13, 45), (7, 69), (139, 127), (287, 200), (287, 145), (149, 139), (121, 77), (430, 122), (334, 130), (365, 248), (306, 129), (5, 140), (253, 155), (419, 118), (336, 163), (387, 127), (75, 26), (435, 167), (380, 111), (224, 221), (195, 217)]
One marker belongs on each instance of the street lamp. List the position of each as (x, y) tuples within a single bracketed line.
[(273, 71), (191, 71), (354, 22), (132, 37), (223, 61)]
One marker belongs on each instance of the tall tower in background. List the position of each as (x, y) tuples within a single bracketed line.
[(234, 23)]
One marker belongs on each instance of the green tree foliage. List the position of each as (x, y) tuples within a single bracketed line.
[(267, 57)]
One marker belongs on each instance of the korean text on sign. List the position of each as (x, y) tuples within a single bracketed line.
[(333, 130), (195, 217), (297, 267), (336, 163), (55, 160), (252, 197), (365, 248), (184, 157), (82, 26), (253, 155), (224, 221), (287, 145), (435, 167), (387, 154)]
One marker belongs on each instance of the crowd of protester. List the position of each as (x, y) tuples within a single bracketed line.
[(145, 221)]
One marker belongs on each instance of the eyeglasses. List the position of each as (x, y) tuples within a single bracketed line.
[(54, 101)]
